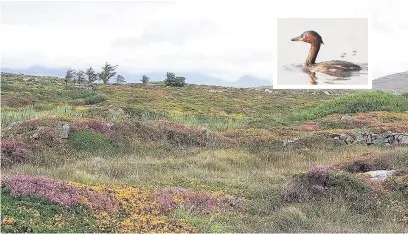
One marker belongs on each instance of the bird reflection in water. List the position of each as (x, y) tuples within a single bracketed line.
[(337, 75)]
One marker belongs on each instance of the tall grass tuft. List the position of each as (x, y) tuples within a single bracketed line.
[(8, 117)]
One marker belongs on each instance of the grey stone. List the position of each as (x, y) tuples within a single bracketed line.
[(360, 138), (403, 140), (288, 142), (346, 117), (380, 175), (63, 131)]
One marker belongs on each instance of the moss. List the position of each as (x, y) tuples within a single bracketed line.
[(89, 141)]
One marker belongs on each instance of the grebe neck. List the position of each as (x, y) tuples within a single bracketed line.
[(311, 58)]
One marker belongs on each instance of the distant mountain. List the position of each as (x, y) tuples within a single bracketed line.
[(37, 70), (249, 81), (191, 77), (395, 82)]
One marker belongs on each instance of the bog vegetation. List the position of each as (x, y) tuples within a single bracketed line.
[(176, 157)]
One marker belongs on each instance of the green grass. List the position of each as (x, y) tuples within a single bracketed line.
[(359, 102), (256, 169), (89, 141), (10, 116)]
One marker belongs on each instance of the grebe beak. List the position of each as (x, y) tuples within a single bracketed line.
[(299, 38)]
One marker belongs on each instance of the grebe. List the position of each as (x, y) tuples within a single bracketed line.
[(335, 67)]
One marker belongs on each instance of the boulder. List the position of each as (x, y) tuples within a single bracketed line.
[(379, 175), (347, 118), (63, 131), (403, 139)]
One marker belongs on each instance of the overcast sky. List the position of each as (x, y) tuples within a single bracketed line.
[(227, 39)]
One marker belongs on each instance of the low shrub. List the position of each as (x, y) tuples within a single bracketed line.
[(13, 152), (75, 93), (319, 182), (99, 126), (113, 208), (144, 113), (16, 100), (52, 190), (199, 202), (176, 134), (377, 161), (182, 135), (38, 215), (95, 99)]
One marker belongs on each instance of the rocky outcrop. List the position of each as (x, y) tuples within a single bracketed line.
[(387, 138)]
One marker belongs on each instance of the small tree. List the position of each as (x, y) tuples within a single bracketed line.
[(91, 74), (108, 71), (80, 76), (145, 79), (172, 80), (170, 75), (120, 79), (69, 76)]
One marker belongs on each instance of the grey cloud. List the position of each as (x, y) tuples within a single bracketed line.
[(77, 14)]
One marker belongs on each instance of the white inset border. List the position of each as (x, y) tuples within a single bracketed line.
[(369, 70)]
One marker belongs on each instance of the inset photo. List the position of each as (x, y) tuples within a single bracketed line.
[(322, 53)]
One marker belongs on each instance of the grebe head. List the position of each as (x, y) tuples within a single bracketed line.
[(311, 37)]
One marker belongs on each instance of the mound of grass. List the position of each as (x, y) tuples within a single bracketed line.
[(87, 140), (319, 182), (357, 102), (95, 99), (75, 94)]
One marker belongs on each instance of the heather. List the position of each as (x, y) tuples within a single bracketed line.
[(197, 158), (117, 208)]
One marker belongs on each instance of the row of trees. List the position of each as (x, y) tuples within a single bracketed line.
[(90, 76), (108, 72)]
